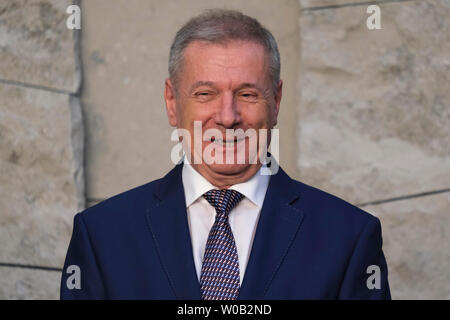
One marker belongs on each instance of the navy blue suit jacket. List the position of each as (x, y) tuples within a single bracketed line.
[(308, 245)]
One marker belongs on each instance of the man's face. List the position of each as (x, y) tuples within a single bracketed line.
[(225, 86)]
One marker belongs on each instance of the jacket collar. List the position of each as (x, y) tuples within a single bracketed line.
[(195, 185)]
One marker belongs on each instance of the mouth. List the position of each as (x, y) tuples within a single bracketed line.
[(227, 142)]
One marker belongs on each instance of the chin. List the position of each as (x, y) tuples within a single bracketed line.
[(230, 169)]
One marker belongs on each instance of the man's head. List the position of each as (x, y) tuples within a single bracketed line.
[(224, 70)]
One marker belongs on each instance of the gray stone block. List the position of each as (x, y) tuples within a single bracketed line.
[(28, 284), (41, 174), (36, 47), (125, 64), (374, 110), (417, 247)]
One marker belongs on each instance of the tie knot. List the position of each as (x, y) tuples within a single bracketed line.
[(223, 200)]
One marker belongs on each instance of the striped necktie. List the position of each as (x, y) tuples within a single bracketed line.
[(219, 279)]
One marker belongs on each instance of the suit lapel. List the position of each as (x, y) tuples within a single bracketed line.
[(277, 227), (170, 231)]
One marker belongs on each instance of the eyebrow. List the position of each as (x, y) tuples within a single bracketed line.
[(211, 84), (250, 85), (201, 83)]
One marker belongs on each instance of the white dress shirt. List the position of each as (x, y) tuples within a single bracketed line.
[(243, 218)]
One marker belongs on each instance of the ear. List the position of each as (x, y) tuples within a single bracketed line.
[(278, 94), (171, 105)]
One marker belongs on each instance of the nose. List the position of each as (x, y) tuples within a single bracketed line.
[(228, 115)]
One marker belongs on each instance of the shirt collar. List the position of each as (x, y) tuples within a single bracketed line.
[(195, 185)]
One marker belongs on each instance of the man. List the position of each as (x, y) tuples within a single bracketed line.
[(214, 229)]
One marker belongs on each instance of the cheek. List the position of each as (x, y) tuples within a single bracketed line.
[(190, 112), (258, 117)]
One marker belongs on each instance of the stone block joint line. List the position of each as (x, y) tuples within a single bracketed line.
[(25, 266), (37, 87), (366, 3), (411, 196)]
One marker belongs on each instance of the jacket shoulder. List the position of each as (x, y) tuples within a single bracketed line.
[(326, 207), (123, 204)]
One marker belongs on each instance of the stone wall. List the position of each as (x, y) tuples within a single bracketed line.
[(365, 115), (374, 127), (41, 146)]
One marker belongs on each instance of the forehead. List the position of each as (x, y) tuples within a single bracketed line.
[(235, 61)]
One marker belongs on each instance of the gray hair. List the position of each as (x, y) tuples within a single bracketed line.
[(219, 26)]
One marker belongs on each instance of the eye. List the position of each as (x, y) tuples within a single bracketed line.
[(248, 96), (204, 96)]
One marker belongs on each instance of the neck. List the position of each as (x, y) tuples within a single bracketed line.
[(225, 180)]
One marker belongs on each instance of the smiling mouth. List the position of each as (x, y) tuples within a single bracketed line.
[(227, 142)]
